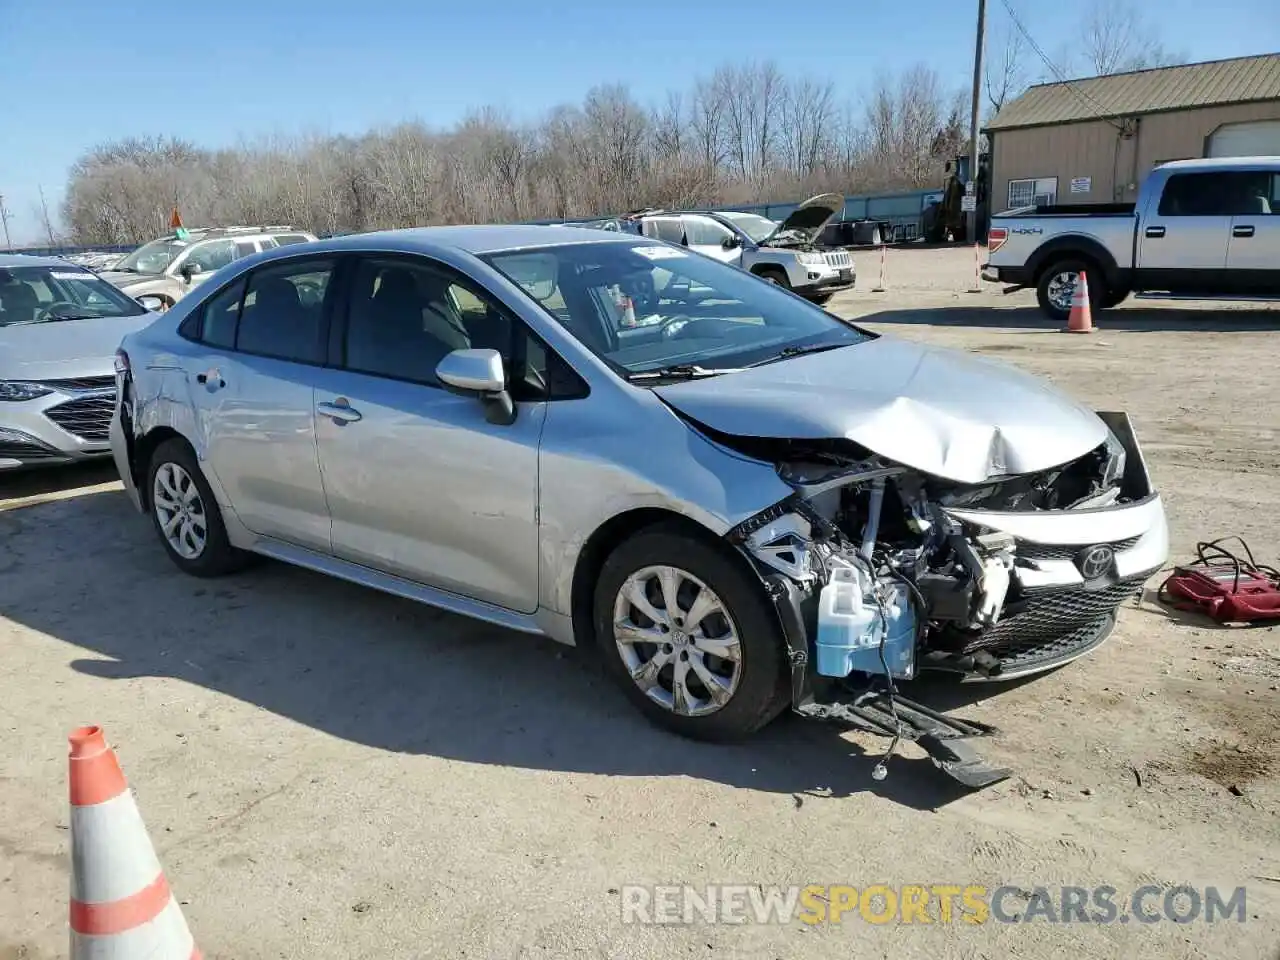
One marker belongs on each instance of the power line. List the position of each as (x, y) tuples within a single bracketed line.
[(1096, 108)]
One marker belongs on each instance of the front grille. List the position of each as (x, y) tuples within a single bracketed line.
[(1027, 550), (87, 417), (81, 383), (1051, 614), (1040, 654), (839, 259)]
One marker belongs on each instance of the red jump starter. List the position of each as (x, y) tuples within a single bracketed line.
[(1226, 587)]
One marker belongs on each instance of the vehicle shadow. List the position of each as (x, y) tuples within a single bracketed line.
[(46, 480), (1125, 318), (382, 671)]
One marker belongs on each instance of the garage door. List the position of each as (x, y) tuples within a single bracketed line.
[(1260, 138)]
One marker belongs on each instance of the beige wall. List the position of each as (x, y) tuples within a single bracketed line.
[(1115, 166)]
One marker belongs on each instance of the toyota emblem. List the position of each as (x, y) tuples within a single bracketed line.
[(1096, 561)]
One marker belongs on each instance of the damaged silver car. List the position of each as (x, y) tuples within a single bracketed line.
[(741, 502)]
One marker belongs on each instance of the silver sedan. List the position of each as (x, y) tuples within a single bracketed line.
[(738, 500), (60, 325)]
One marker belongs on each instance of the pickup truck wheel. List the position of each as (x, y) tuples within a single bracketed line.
[(1057, 287)]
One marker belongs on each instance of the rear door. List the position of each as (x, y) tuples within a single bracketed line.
[(260, 342), (1253, 252), (1182, 247)]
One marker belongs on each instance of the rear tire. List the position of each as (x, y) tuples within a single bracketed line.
[(752, 690), (1057, 282), (186, 515)]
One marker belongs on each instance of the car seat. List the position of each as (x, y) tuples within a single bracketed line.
[(19, 302), (279, 325), (391, 338)]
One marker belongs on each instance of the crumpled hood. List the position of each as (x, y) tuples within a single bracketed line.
[(65, 348), (944, 412)]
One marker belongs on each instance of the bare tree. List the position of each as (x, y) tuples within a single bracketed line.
[(1117, 38), (745, 133), (1006, 72)]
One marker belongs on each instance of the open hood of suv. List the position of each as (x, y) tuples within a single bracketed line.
[(943, 412), (808, 219)]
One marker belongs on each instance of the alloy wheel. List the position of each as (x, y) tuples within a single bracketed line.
[(677, 640), (180, 511), (1062, 290)]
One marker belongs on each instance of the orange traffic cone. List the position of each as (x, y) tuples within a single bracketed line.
[(1080, 320), (121, 906)]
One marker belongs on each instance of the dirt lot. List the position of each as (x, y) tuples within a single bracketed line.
[(328, 772)]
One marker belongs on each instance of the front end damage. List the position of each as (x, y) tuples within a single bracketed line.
[(880, 572)]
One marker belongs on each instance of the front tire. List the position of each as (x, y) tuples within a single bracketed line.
[(185, 514), (774, 275), (1056, 287), (689, 635)]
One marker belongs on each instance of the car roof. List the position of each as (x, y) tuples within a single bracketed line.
[(197, 234), (1219, 163), (488, 238), (26, 260)]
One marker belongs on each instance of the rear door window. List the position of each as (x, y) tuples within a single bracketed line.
[(283, 311)]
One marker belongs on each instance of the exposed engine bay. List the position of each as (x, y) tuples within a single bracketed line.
[(889, 573)]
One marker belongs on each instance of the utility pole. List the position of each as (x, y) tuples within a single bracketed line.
[(44, 213), (4, 216), (972, 233)]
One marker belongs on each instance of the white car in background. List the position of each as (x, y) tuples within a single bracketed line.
[(160, 273), (784, 253)]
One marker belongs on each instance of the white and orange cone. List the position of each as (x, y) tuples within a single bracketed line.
[(1080, 320), (121, 905)]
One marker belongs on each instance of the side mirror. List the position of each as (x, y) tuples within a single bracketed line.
[(479, 374), (189, 270), (731, 242), (148, 302)]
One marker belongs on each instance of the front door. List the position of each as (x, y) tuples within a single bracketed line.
[(419, 484), (707, 237), (209, 255), (250, 382)]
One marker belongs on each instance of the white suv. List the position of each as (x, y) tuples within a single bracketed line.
[(783, 253), (160, 273)]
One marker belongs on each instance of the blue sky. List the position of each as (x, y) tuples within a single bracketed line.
[(77, 72)]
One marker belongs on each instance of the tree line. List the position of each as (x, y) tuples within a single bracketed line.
[(746, 133)]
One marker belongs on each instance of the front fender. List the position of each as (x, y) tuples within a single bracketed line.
[(590, 472)]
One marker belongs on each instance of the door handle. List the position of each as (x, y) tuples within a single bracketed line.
[(211, 377), (340, 411), (1243, 230), (1155, 232)]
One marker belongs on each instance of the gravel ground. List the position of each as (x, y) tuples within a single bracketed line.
[(328, 772)]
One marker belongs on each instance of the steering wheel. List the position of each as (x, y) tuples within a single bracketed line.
[(670, 327), (47, 312)]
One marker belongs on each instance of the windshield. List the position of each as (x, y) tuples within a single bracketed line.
[(45, 294), (152, 257), (753, 225), (647, 306)]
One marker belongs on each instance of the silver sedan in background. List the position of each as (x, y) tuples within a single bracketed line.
[(60, 325), (739, 500)]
